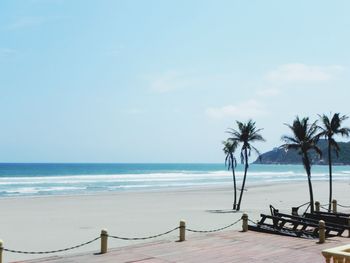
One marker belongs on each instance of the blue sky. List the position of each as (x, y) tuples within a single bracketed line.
[(161, 81)]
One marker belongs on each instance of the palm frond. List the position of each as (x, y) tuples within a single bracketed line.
[(317, 150), (344, 132), (242, 157), (290, 139), (304, 136), (291, 146), (334, 145), (245, 134), (256, 137), (257, 152)]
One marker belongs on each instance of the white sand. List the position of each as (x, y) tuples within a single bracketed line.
[(49, 223)]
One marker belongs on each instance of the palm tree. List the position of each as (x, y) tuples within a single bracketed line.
[(246, 134), (329, 128), (304, 139), (230, 161)]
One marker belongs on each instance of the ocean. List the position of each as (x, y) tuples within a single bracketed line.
[(71, 179)]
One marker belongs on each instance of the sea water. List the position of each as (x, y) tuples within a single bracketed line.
[(71, 179)]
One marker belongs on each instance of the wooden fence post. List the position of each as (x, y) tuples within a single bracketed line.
[(317, 206), (245, 222), (182, 230), (321, 232), (104, 241), (334, 203)]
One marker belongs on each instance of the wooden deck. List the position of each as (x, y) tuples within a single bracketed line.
[(228, 246)]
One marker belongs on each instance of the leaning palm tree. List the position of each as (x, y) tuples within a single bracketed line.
[(245, 134), (330, 127), (304, 139), (230, 161)]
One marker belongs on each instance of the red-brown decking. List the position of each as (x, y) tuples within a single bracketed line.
[(222, 247)]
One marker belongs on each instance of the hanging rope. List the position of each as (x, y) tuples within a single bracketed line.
[(144, 238), (214, 230), (51, 251)]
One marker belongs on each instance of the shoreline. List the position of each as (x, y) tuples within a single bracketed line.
[(42, 223), (223, 186)]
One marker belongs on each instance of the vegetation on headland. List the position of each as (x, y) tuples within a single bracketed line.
[(281, 156)]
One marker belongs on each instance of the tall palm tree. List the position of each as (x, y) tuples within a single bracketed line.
[(245, 134), (230, 161), (330, 127), (304, 139)]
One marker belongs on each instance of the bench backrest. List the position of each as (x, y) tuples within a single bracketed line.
[(329, 218)]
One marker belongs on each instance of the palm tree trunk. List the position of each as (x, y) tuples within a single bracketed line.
[(311, 193), (308, 172), (330, 175), (235, 190), (244, 177), (234, 184)]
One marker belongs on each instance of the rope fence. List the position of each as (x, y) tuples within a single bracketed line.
[(51, 251), (254, 223), (324, 207), (104, 238), (344, 206), (295, 209), (330, 207), (214, 230), (144, 238), (303, 205)]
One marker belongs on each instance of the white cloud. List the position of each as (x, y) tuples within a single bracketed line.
[(301, 72), (169, 81), (246, 109)]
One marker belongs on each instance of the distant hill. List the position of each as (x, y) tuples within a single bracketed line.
[(280, 156)]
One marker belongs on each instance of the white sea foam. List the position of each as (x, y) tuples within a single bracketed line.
[(61, 184)]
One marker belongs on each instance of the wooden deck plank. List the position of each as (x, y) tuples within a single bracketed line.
[(221, 247)]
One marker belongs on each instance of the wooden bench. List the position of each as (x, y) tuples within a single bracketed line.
[(283, 232), (331, 219), (293, 226), (281, 226), (331, 222), (338, 229)]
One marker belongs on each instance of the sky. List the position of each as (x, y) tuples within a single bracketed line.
[(162, 81)]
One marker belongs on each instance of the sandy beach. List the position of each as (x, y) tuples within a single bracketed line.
[(55, 222)]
